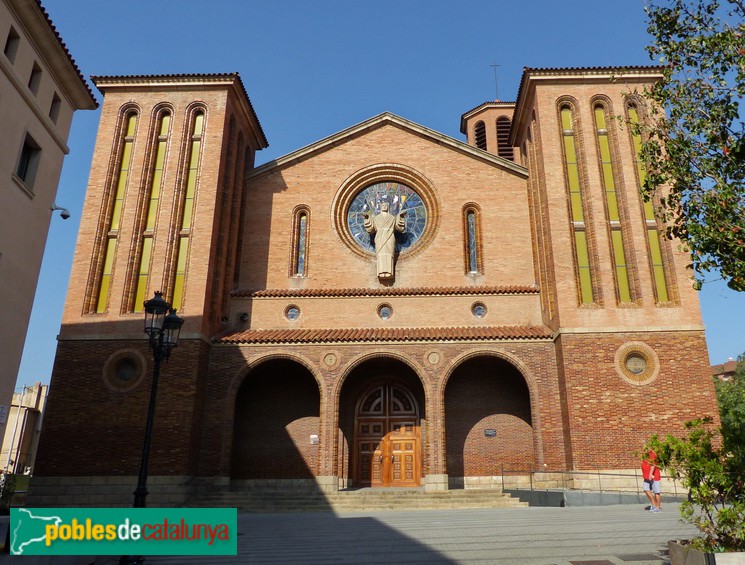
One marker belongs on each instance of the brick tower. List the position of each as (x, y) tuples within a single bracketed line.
[(161, 213)]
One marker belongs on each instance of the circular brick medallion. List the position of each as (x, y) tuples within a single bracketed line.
[(637, 363), (433, 357), (124, 370)]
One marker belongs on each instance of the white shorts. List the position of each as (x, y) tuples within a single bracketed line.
[(654, 486)]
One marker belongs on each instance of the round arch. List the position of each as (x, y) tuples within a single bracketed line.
[(275, 425), (491, 417), (380, 415)]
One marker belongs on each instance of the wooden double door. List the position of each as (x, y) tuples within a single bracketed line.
[(388, 438)]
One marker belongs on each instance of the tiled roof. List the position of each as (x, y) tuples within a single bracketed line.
[(67, 51), (100, 80), (481, 106), (579, 71), (420, 291), (467, 333), (386, 118), (729, 367)]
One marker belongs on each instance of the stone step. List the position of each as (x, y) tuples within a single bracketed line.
[(296, 500)]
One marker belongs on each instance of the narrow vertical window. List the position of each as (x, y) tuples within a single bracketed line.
[(35, 79), (54, 108), (653, 235), (471, 239), (28, 163), (618, 253), (504, 149), (584, 274), (247, 164), (116, 214), (479, 135), (187, 210), (146, 243), (11, 44), (300, 243)]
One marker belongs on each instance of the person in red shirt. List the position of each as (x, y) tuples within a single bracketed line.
[(651, 475)]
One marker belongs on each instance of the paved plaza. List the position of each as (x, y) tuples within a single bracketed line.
[(620, 535), (601, 535)]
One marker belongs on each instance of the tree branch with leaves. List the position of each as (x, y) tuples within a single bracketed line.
[(693, 147)]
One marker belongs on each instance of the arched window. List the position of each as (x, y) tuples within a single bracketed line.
[(618, 253), (479, 134), (109, 254), (146, 242), (187, 208), (653, 235), (298, 265), (581, 248), (472, 239), (504, 149)]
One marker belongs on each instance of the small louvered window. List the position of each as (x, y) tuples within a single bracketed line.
[(479, 133), (504, 149)]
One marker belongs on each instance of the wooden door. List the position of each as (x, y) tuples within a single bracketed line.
[(387, 442), (371, 452), (403, 441)]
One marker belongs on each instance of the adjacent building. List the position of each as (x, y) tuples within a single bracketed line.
[(21, 439), (388, 306), (40, 89)]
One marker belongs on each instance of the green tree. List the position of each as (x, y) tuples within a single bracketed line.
[(731, 399), (694, 138), (715, 478)]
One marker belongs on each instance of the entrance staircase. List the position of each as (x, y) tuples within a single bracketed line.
[(267, 500)]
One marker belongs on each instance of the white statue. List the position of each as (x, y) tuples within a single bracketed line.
[(384, 225)]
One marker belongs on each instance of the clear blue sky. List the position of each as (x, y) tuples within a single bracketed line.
[(314, 68)]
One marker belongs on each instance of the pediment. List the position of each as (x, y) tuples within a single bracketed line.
[(388, 119)]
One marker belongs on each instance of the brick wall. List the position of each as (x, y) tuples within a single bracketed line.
[(609, 418)]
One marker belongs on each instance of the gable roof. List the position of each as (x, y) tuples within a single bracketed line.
[(387, 118)]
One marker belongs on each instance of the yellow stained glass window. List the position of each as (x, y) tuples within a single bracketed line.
[(152, 212), (622, 272), (142, 277), (584, 272), (178, 287), (103, 293), (187, 211), (116, 214), (653, 237), (611, 201), (583, 264), (658, 268)]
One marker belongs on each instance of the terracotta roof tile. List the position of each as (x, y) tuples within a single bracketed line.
[(547, 71), (480, 107), (464, 333), (420, 291), (66, 51), (101, 80)]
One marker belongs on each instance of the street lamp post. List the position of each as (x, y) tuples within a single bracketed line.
[(162, 326)]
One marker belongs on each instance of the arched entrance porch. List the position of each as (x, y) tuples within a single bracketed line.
[(382, 425), (277, 424), (488, 421)]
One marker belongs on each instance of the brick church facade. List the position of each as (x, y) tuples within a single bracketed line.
[(533, 318)]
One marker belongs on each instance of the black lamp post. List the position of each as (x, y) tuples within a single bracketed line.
[(162, 326)]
